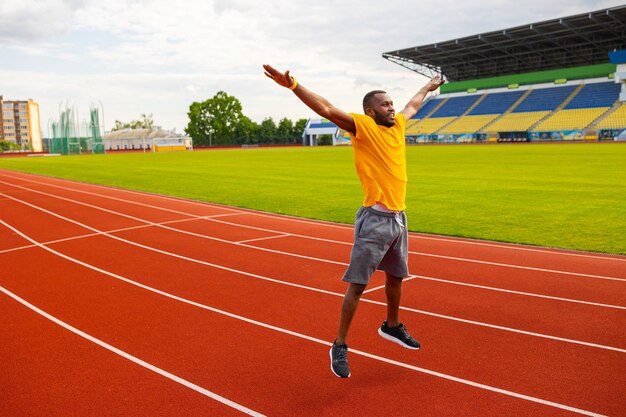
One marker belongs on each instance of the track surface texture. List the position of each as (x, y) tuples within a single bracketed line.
[(118, 303)]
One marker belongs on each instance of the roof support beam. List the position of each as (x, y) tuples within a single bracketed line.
[(566, 42)]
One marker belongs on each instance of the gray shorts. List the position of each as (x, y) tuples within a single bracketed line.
[(380, 242)]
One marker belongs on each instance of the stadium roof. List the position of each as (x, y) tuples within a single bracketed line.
[(584, 39), (130, 134)]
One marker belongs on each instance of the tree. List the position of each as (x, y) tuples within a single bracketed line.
[(8, 146), (298, 130), (145, 122), (246, 131), (220, 121), (267, 131), (284, 131), (325, 140), (215, 120)]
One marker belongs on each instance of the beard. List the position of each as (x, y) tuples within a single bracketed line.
[(386, 120)]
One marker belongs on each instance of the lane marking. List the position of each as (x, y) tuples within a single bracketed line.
[(416, 235), (229, 242), (241, 243), (124, 229), (555, 271), (549, 297), (132, 358), (280, 330), (291, 284), (380, 287)]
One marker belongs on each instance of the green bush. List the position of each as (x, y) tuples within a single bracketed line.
[(325, 140), (8, 146)]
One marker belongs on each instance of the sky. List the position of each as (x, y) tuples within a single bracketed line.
[(157, 57)]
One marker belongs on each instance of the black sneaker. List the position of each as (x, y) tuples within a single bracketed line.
[(339, 360), (398, 335)]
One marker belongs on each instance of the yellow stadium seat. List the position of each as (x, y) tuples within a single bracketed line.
[(615, 120), (427, 126), (516, 122), (468, 124), (572, 119)]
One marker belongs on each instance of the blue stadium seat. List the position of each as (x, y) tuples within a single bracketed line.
[(496, 103), (545, 99), (427, 108), (595, 95), (456, 106)]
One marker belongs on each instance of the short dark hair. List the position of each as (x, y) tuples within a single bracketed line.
[(368, 97)]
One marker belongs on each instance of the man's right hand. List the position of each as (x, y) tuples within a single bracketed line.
[(284, 80), (435, 83), (317, 103)]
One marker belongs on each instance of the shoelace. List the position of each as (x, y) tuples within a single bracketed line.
[(342, 354), (404, 332)]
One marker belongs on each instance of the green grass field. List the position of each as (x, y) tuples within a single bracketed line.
[(557, 195)]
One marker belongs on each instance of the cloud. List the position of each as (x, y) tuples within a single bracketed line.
[(157, 56), (28, 20)]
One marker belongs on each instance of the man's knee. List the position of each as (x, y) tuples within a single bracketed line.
[(394, 281), (355, 290)]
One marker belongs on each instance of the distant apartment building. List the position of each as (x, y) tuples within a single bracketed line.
[(21, 124)]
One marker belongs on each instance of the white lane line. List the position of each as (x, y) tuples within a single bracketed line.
[(465, 241), (291, 284), (380, 287), (17, 248), (258, 239), (132, 358), (529, 268), (319, 341), (450, 239), (86, 235), (243, 244), (370, 290), (161, 225), (512, 246), (527, 294), (235, 211), (503, 265), (554, 271)]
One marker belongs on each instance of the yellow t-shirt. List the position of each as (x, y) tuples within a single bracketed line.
[(380, 160)]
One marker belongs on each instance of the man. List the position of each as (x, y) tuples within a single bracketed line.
[(380, 236)]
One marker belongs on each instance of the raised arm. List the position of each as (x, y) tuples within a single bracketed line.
[(314, 101), (415, 103)]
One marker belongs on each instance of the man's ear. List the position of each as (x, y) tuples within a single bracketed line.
[(369, 111)]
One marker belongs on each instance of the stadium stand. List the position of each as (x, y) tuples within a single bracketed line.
[(468, 124), (496, 103), (591, 102), (595, 95), (517, 122), (615, 120), (535, 108), (560, 79), (455, 106), (428, 126), (429, 107), (558, 108), (544, 99), (512, 84)]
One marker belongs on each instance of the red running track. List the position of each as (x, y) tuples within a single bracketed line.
[(114, 302)]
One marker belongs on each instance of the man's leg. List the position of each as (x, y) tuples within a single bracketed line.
[(348, 308), (392, 329), (393, 291), (339, 350)]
